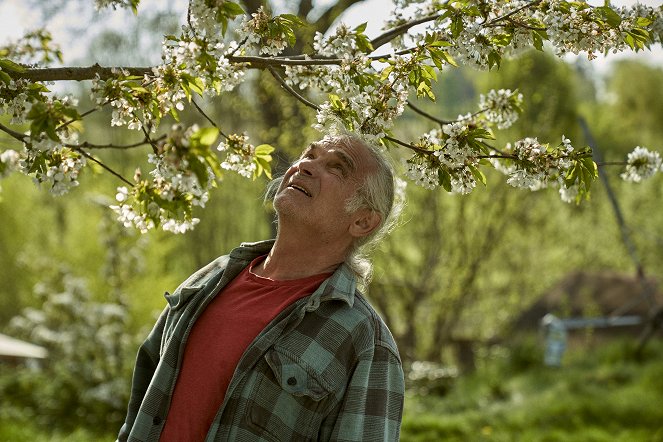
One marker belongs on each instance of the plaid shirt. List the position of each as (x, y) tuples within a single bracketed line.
[(326, 368)]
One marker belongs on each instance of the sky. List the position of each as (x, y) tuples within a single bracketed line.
[(16, 19)]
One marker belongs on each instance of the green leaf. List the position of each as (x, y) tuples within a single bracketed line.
[(8, 65), (361, 28), (293, 19), (5, 77), (537, 41), (571, 176), (264, 150), (193, 83), (264, 166), (444, 179), (494, 59), (425, 90), (643, 21), (231, 9), (456, 26), (199, 169), (501, 40), (385, 72), (481, 133), (478, 174), (611, 17), (213, 162), (206, 136)]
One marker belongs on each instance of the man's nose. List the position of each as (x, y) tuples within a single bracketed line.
[(306, 166)]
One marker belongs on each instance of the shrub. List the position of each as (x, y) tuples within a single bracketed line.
[(86, 376)]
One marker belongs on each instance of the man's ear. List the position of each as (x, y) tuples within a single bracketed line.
[(365, 221)]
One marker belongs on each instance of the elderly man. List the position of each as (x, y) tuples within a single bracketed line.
[(274, 342)]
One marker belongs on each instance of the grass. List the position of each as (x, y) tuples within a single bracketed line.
[(601, 395), (598, 395)]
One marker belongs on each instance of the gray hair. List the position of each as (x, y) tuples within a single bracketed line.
[(376, 193)]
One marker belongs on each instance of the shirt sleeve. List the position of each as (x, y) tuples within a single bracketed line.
[(372, 408), (146, 364)]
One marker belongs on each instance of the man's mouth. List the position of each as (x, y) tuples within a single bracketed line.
[(301, 189)]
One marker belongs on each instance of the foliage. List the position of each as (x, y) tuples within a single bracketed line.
[(593, 397), (364, 86), (90, 357), (466, 267)]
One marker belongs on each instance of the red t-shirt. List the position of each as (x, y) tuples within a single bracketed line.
[(217, 341)]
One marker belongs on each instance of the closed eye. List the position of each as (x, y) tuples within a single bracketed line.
[(339, 168)]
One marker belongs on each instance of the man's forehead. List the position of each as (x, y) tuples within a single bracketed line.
[(349, 154)]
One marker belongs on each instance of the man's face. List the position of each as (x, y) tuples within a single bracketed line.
[(316, 187)]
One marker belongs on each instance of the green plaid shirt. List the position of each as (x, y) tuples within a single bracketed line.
[(326, 368)]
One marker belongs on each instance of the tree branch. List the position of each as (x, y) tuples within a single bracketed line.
[(76, 73), (83, 115), (256, 62), (17, 135), (512, 13), (427, 115), (207, 117), (150, 141), (291, 90), (324, 22), (385, 38), (89, 145), (407, 145)]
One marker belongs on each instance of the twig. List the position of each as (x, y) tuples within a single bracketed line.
[(265, 62), (514, 12), (89, 145), (83, 115), (108, 169), (427, 115), (19, 136), (202, 112), (385, 38), (407, 145), (291, 90), (152, 143)]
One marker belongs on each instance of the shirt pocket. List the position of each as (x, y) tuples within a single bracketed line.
[(290, 398)]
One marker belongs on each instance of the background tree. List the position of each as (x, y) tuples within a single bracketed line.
[(456, 286)]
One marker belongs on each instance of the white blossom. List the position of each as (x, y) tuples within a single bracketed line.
[(9, 162), (239, 155), (250, 32), (499, 107), (568, 194), (14, 100), (423, 174), (641, 164)]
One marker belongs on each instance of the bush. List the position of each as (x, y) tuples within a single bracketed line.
[(86, 377)]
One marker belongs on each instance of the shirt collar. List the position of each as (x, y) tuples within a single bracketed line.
[(341, 285)]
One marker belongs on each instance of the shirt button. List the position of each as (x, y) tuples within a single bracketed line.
[(292, 380), (156, 420)]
